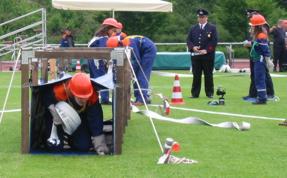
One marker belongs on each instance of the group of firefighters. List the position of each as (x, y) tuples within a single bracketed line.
[(79, 92)]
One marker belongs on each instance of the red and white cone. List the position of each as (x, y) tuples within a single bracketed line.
[(78, 66), (176, 92)]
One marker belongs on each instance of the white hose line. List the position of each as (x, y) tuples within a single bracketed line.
[(193, 120), (9, 88), (150, 119), (226, 114), (172, 74)]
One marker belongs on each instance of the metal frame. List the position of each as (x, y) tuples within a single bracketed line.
[(38, 38)]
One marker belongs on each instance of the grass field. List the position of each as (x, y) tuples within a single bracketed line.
[(259, 152)]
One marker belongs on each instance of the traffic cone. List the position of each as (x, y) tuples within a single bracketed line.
[(78, 66), (176, 92)]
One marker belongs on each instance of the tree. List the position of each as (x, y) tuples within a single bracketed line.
[(232, 17)]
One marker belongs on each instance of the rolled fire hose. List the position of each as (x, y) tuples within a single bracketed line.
[(71, 119), (193, 120)]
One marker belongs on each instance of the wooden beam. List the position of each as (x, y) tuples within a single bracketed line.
[(74, 53), (25, 118)]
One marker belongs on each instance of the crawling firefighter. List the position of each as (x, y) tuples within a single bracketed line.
[(75, 116)]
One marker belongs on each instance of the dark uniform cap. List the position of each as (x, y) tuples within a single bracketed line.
[(202, 12), (250, 12)]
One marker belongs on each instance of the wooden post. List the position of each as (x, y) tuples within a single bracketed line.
[(44, 74), (25, 118), (119, 94), (34, 73), (53, 68)]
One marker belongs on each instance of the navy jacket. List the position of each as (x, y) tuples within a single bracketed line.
[(206, 38)]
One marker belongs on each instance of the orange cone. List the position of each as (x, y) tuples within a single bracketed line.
[(78, 66), (176, 92)]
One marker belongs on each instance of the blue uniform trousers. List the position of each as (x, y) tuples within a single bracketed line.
[(260, 80), (146, 54)]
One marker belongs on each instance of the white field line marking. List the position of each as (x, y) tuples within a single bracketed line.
[(225, 113), (12, 110), (171, 74)]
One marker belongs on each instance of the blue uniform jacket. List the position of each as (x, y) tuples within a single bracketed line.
[(205, 39), (64, 42), (97, 70)]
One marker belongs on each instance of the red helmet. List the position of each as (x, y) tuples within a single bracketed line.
[(112, 22), (257, 20), (120, 25), (81, 86), (113, 42)]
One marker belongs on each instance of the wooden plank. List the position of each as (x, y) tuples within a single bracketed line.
[(44, 73), (25, 117), (127, 91), (25, 108), (119, 103), (75, 53), (34, 73), (119, 114)]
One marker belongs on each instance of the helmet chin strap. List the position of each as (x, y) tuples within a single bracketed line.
[(80, 103)]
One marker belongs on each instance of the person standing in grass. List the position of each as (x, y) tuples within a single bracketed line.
[(202, 42), (278, 34), (252, 93), (260, 55)]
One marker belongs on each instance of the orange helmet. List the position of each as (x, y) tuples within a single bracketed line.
[(113, 42), (81, 86), (126, 42), (112, 22), (257, 20), (123, 35)]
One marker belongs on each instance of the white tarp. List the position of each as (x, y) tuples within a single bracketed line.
[(114, 5)]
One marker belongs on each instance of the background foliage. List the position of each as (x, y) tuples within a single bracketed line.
[(229, 16)]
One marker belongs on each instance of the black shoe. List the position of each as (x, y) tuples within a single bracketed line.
[(193, 97), (257, 102), (246, 97), (209, 96)]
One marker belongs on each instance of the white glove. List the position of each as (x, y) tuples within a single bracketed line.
[(269, 63), (100, 144), (56, 118), (53, 140)]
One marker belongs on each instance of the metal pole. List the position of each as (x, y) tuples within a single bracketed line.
[(44, 27)]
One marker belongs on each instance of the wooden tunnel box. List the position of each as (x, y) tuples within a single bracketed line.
[(31, 58)]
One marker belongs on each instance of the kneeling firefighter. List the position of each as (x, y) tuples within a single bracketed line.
[(76, 116)]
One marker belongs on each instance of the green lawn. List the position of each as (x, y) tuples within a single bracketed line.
[(259, 152)]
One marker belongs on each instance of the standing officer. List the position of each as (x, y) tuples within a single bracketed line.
[(278, 34), (201, 42)]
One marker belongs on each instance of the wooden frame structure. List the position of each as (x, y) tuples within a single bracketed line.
[(29, 75)]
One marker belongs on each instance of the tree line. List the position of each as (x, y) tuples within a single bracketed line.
[(229, 17)]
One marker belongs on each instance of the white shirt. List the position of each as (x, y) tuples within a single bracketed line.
[(202, 25)]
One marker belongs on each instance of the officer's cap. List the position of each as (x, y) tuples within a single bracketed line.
[(202, 12), (250, 12)]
